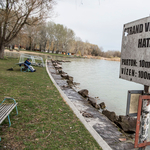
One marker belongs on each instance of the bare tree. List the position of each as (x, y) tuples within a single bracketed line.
[(43, 37), (50, 33), (78, 44), (32, 33), (59, 34), (14, 14), (68, 37)]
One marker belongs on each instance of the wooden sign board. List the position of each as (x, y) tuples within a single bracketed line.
[(132, 102), (135, 52)]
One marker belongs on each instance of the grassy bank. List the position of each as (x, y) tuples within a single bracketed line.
[(44, 121)]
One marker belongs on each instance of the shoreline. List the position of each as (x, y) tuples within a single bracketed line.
[(103, 58), (96, 136), (100, 123), (48, 54)]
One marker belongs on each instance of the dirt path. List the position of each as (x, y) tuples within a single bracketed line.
[(25, 52), (87, 56)]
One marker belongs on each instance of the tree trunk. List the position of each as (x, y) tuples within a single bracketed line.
[(30, 40), (1, 51), (45, 46)]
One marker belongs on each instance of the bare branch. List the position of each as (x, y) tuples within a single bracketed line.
[(14, 14)]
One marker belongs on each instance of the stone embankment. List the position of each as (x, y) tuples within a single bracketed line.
[(112, 128)]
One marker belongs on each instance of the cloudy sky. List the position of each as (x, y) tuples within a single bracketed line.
[(100, 22)]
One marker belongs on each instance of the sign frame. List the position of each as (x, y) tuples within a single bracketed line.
[(136, 143), (130, 92)]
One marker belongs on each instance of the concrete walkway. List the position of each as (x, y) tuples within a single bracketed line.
[(101, 128)]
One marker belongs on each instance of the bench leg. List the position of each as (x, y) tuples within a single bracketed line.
[(21, 68), (16, 111), (9, 121)]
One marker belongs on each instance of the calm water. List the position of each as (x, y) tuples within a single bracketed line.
[(101, 78)]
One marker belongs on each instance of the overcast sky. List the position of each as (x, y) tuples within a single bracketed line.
[(100, 22)]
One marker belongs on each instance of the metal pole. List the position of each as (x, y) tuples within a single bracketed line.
[(145, 114)]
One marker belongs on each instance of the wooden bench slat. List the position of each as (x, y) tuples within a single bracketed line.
[(4, 106), (4, 114), (5, 110)]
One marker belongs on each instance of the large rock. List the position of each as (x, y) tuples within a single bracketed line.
[(70, 83), (128, 124), (70, 78), (54, 64), (59, 63), (84, 93), (53, 61), (60, 71), (110, 115), (75, 83), (56, 61), (58, 66), (102, 105), (93, 102), (64, 75), (87, 115)]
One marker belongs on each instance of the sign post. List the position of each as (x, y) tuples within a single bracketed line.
[(145, 116), (135, 67), (143, 124), (132, 102)]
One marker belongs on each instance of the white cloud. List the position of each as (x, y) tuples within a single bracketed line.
[(100, 21)]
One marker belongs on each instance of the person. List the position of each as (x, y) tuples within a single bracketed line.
[(28, 64)]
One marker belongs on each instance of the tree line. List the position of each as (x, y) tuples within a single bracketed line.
[(57, 38)]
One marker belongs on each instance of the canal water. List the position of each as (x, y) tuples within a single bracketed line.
[(101, 79)]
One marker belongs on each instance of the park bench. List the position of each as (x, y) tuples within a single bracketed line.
[(6, 108)]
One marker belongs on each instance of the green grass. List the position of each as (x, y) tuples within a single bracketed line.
[(44, 121)]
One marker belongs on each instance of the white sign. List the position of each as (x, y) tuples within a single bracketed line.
[(135, 52)]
